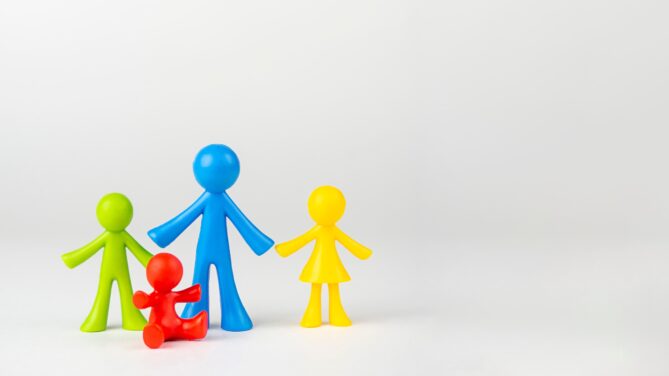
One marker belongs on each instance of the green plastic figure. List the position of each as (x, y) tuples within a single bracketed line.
[(114, 213)]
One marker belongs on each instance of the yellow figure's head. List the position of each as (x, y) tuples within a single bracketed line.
[(114, 212), (326, 205)]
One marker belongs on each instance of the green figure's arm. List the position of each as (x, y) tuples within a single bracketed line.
[(358, 250), (288, 248), (142, 255), (76, 257)]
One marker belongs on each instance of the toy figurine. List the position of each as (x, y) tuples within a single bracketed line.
[(114, 213), (326, 206), (216, 169), (164, 273)]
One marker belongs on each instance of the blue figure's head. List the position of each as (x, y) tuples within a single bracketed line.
[(216, 168)]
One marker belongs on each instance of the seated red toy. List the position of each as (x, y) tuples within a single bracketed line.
[(164, 273)]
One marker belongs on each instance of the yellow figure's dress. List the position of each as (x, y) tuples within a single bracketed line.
[(324, 265)]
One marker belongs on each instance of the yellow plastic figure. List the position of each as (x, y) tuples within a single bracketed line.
[(326, 206)]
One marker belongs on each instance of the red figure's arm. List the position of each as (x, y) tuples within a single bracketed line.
[(191, 294), (142, 300)]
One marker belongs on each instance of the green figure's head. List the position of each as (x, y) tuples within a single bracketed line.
[(114, 212)]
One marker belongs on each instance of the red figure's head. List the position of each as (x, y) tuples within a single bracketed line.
[(164, 272)]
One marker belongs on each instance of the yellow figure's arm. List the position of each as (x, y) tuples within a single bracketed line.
[(288, 248), (142, 255), (76, 257), (358, 250)]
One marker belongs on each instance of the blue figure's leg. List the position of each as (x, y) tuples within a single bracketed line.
[(233, 315), (201, 276)]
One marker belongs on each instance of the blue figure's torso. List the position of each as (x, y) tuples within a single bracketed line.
[(212, 244)]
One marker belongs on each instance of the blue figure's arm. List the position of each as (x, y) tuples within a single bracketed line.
[(259, 242), (165, 234)]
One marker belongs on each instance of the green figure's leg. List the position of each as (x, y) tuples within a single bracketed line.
[(312, 316), (132, 317), (97, 318), (338, 316)]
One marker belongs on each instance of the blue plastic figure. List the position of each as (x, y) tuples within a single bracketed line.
[(216, 169)]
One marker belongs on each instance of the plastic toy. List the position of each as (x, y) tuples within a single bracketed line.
[(164, 273), (326, 206), (216, 169), (114, 212)]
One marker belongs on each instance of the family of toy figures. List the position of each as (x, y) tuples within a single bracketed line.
[(216, 169)]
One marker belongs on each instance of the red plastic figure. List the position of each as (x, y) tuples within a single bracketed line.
[(164, 273)]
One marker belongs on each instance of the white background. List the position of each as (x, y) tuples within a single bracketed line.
[(505, 160)]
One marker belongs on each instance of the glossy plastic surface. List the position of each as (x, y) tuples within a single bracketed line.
[(216, 168), (164, 273), (326, 206), (114, 212)]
